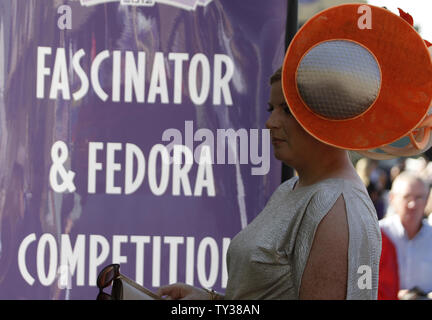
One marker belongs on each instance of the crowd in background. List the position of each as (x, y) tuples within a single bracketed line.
[(378, 177), (406, 258)]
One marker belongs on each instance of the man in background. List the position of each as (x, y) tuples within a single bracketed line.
[(411, 234)]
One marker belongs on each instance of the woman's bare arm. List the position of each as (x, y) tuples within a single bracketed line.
[(326, 271)]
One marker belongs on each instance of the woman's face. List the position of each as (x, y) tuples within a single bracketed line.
[(290, 141)]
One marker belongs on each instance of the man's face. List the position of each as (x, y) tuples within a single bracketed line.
[(409, 202)]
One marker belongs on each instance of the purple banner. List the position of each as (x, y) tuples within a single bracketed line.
[(131, 132)]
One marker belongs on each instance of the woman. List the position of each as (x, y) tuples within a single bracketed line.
[(350, 88), (317, 237)]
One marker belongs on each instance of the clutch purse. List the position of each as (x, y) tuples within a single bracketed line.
[(123, 288)]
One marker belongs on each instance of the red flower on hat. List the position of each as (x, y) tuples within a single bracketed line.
[(408, 18)]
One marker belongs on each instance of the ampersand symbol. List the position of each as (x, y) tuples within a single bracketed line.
[(59, 155)]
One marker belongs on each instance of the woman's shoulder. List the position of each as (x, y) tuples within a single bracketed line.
[(327, 184), (337, 186), (325, 193), (349, 188), (345, 182), (321, 195)]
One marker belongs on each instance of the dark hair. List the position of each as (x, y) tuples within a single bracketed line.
[(277, 76)]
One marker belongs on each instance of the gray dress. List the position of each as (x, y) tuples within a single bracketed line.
[(266, 260)]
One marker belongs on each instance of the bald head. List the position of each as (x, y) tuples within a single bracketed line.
[(408, 178)]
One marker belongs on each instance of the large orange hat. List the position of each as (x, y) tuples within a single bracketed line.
[(359, 86)]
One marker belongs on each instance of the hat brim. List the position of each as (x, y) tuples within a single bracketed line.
[(406, 77)]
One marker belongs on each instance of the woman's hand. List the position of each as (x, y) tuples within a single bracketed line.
[(182, 291)]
